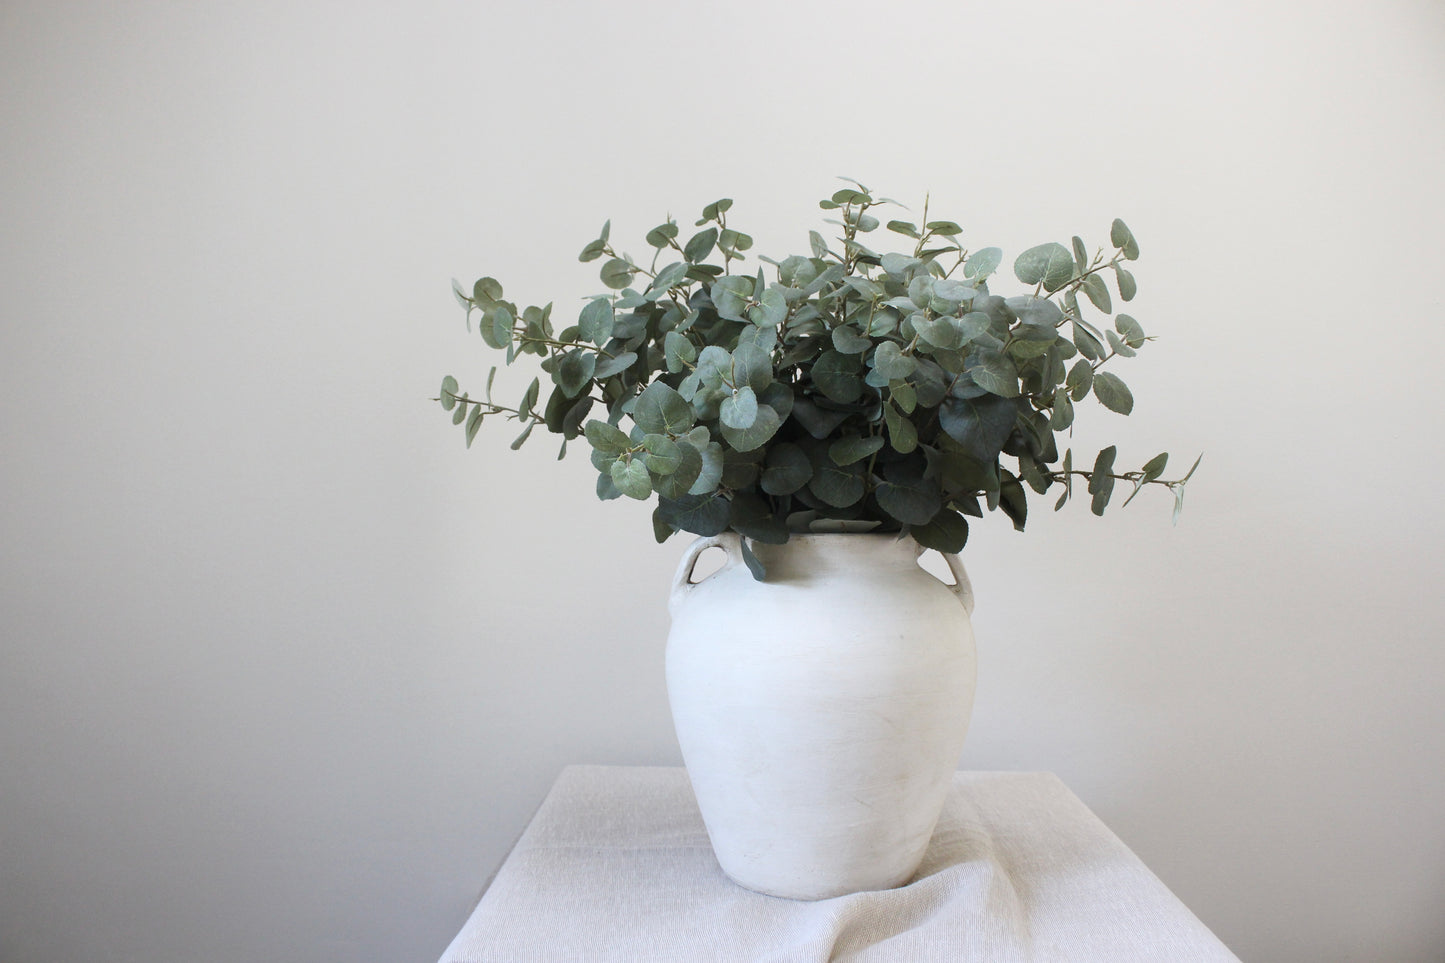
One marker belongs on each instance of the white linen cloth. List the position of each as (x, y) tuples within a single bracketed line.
[(616, 866)]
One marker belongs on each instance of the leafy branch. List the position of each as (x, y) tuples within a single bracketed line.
[(861, 388)]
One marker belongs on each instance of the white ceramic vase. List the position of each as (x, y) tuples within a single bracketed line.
[(821, 712)]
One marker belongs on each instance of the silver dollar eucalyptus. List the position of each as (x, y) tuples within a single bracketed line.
[(841, 390)]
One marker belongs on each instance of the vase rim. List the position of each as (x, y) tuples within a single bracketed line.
[(846, 543)]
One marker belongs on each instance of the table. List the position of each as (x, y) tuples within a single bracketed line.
[(616, 866)]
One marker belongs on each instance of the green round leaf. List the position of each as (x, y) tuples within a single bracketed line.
[(753, 437), (946, 532), (854, 448), (574, 372), (786, 470), (891, 363), (631, 478), (1127, 286), (1122, 238), (596, 320), (982, 263), (1049, 264), (740, 409), (661, 410), (1113, 393), (664, 456), (700, 246), (617, 274), (837, 485), (679, 481), (910, 498), (836, 375), (660, 235)]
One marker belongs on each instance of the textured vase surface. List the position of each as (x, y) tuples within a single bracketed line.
[(821, 712)]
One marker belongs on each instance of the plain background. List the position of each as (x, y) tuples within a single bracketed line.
[(285, 668)]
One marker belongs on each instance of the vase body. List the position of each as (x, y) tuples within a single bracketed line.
[(821, 712)]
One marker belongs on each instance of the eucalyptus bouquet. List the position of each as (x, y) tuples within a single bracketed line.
[(847, 389)]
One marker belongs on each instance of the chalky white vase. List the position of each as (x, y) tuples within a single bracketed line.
[(821, 712)]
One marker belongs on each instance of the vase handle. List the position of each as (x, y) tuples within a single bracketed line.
[(682, 582), (962, 587)]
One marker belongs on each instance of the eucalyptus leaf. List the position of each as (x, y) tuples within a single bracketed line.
[(751, 365), (607, 367), (631, 478), (1080, 379), (837, 485), (945, 532), (755, 566), (661, 410), (848, 341), (596, 320), (1117, 345), (710, 475), (1013, 499), (486, 291), (522, 438), (902, 434), (660, 235), (996, 374), (664, 456), (979, 425), (817, 420), (1089, 346), (474, 422), (1112, 392), (1122, 238), (669, 277), (898, 265), (1128, 287), (617, 274), (704, 515), (606, 438), (678, 482), (1048, 264), (771, 309), (1061, 415), (836, 375), (982, 263), (574, 372), (1130, 330), (679, 351), (786, 470), (757, 434), (700, 245), (1098, 292), (908, 496), (496, 326), (740, 409), (752, 518), (853, 448), (730, 296), (891, 363), (1101, 481)]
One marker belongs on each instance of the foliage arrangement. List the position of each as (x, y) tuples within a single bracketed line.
[(854, 390)]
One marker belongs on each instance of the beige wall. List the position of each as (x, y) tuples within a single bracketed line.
[(284, 670)]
